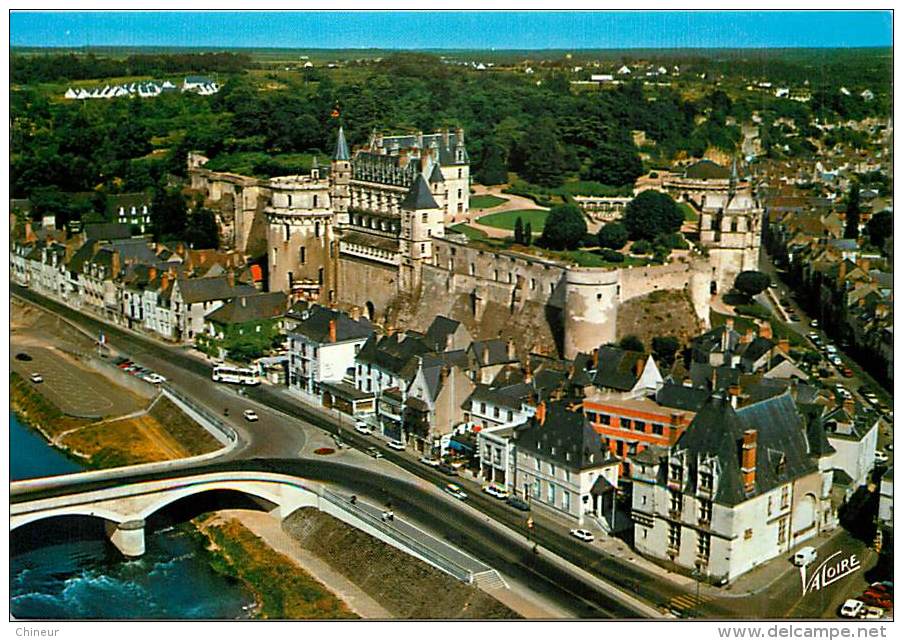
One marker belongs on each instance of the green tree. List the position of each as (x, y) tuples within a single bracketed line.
[(201, 231), (632, 343), (519, 231), (492, 169), (169, 214), (613, 236), (880, 227), (528, 234), (665, 348), (652, 213), (615, 163), (751, 282), (542, 156), (641, 246), (564, 228), (851, 230)]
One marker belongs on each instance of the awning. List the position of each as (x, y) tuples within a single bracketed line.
[(459, 446), (346, 392)]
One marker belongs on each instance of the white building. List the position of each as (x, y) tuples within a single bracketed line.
[(854, 438)]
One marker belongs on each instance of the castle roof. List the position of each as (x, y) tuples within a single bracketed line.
[(341, 147), (419, 196)]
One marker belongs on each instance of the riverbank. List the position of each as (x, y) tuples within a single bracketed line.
[(283, 590)]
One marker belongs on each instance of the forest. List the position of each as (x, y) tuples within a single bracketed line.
[(269, 121)]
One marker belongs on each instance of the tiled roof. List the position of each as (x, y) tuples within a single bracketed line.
[(250, 307), (316, 325)]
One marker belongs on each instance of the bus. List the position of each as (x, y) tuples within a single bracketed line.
[(239, 375)]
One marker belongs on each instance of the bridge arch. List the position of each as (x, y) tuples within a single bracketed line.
[(102, 513), (257, 490)]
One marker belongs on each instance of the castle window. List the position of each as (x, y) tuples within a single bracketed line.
[(460, 173), (673, 536), (472, 269), (302, 255), (460, 194), (532, 283), (705, 511), (424, 217), (289, 200), (703, 545), (320, 276), (658, 430), (315, 201), (286, 232), (317, 229)]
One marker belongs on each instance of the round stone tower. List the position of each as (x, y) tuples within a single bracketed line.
[(590, 308)]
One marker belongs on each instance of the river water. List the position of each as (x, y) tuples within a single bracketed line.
[(76, 574)]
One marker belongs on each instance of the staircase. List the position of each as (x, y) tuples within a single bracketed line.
[(489, 580)]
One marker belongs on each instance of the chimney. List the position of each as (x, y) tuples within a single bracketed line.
[(784, 345), (512, 354), (230, 278), (332, 334), (528, 372), (151, 273), (729, 323), (639, 367), (420, 140), (765, 330), (459, 135), (443, 374), (748, 337), (541, 413), (485, 353), (115, 265), (164, 281), (734, 392), (445, 137), (748, 460), (29, 232), (180, 249), (244, 301), (402, 158), (842, 270), (596, 358)]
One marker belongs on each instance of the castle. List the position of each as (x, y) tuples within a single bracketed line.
[(370, 231)]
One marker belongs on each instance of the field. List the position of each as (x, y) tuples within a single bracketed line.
[(471, 232), (487, 201), (507, 219)]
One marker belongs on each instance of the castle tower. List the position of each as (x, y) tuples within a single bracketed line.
[(422, 219), (591, 304), (340, 179)]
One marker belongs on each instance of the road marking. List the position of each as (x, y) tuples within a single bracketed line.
[(689, 601)]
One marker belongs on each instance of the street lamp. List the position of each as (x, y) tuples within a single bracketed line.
[(697, 574)]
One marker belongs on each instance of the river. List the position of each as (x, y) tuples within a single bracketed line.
[(77, 574)]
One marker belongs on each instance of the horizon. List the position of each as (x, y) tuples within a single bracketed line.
[(470, 30)]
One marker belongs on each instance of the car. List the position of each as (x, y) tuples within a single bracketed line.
[(813, 323), (794, 318), (518, 503), (835, 360), (889, 448), (250, 415), (430, 461), (851, 608), (124, 365), (881, 458), (362, 428), (36, 378), (339, 443), (455, 491), (154, 378), (496, 492), (22, 356), (871, 612), (447, 469), (877, 590), (805, 556), (877, 600), (397, 445), (584, 535), (375, 453)]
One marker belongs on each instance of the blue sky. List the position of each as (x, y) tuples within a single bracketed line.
[(449, 30)]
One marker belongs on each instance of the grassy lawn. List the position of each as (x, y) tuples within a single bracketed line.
[(486, 201), (689, 212), (471, 232), (506, 219)]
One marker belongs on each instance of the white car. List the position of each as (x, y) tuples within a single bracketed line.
[(584, 535), (813, 323), (455, 491), (154, 378), (496, 491), (250, 415), (36, 378), (363, 428), (851, 608), (872, 612), (397, 445), (880, 457), (430, 461)]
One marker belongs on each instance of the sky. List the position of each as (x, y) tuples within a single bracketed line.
[(454, 30)]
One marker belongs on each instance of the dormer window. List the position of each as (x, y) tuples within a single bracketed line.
[(706, 480), (676, 472)]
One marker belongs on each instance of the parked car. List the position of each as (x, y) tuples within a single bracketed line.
[(584, 535), (877, 600), (22, 356), (154, 378), (805, 556), (250, 415), (871, 612), (851, 608), (455, 491), (397, 445), (375, 453), (36, 378), (448, 470), (362, 428), (125, 365), (847, 372), (430, 461), (881, 458), (496, 491), (518, 503), (813, 323)]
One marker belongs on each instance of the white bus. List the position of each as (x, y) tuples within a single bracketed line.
[(240, 375)]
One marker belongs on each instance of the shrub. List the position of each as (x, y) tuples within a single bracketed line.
[(641, 247), (612, 256)]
